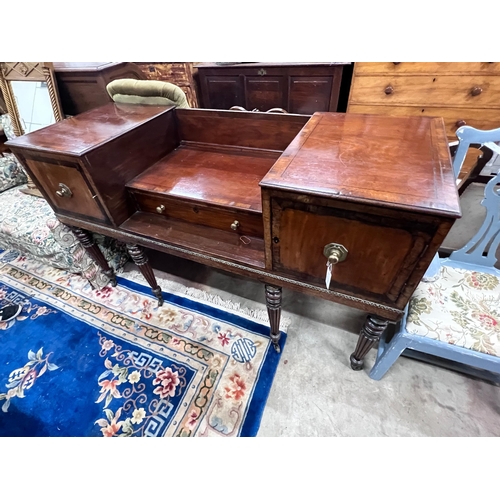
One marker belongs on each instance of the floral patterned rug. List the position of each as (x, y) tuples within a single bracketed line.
[(85, 362)]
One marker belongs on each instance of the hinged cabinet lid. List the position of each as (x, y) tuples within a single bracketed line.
[(397, 162), (79, 134)]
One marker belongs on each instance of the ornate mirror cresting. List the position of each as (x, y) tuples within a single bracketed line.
[(31, 97)]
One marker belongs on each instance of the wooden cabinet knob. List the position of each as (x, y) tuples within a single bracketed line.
[(460, 123), (389, 89), (476, 91)]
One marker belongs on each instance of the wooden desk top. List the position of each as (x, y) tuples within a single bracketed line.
[(88, 130), (380, 160)]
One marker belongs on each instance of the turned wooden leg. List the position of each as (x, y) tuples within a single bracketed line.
[(370, 333), (141, 260), (273, 303), (85, 238)]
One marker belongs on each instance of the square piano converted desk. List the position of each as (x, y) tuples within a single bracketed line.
[(272, 197)]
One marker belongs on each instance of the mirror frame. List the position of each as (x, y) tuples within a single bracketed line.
[(28, 71), (34, 72)]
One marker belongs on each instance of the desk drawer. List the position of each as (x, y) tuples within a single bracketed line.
[(383, 251), (468, 91), (249, 223)]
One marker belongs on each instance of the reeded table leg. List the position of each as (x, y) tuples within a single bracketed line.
[(85, 238), (370, 333), (273, 303), (141, 261)]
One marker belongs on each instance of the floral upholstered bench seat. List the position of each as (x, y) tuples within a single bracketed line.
[(461, 307), (29, 226)]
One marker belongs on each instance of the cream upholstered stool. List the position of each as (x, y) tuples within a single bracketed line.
[(130, 91)]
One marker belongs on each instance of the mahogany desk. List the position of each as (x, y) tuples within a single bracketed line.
[(271, 197)]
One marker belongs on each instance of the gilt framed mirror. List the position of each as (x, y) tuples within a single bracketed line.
[(31, 97)]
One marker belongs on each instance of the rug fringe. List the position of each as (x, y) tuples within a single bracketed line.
[(258, 315)]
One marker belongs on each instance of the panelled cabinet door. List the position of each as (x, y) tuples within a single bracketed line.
[(265, 92), (308, 94), (382, 250), (66, 187), (223, 92)]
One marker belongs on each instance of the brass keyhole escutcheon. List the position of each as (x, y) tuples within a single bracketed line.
[(235, 225), (64, 191), (335, 253), (160, 209)]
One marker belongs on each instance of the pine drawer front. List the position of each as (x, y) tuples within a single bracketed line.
[(66, 187), (441, 90), (432, 68), (383, 250), (245, 223), (454, 117)]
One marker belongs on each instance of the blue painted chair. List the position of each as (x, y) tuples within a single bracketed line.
[(454, 313)]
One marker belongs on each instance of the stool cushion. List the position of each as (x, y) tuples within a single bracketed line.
[(461, 307)]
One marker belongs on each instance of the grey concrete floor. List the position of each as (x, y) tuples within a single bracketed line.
[(315, 392)]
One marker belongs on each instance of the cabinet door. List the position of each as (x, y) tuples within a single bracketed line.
[(308, 94), (80, 201), (383, 251), (223, 92), (264, 92)]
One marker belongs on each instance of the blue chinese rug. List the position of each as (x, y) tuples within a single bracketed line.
[(84, 362)]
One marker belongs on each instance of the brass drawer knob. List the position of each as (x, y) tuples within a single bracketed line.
[(476, 91), (460, 123), (64, 191), (389, 89), (160, 209), (235, 225)]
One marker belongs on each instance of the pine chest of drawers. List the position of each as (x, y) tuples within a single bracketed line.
[(460, 93)]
